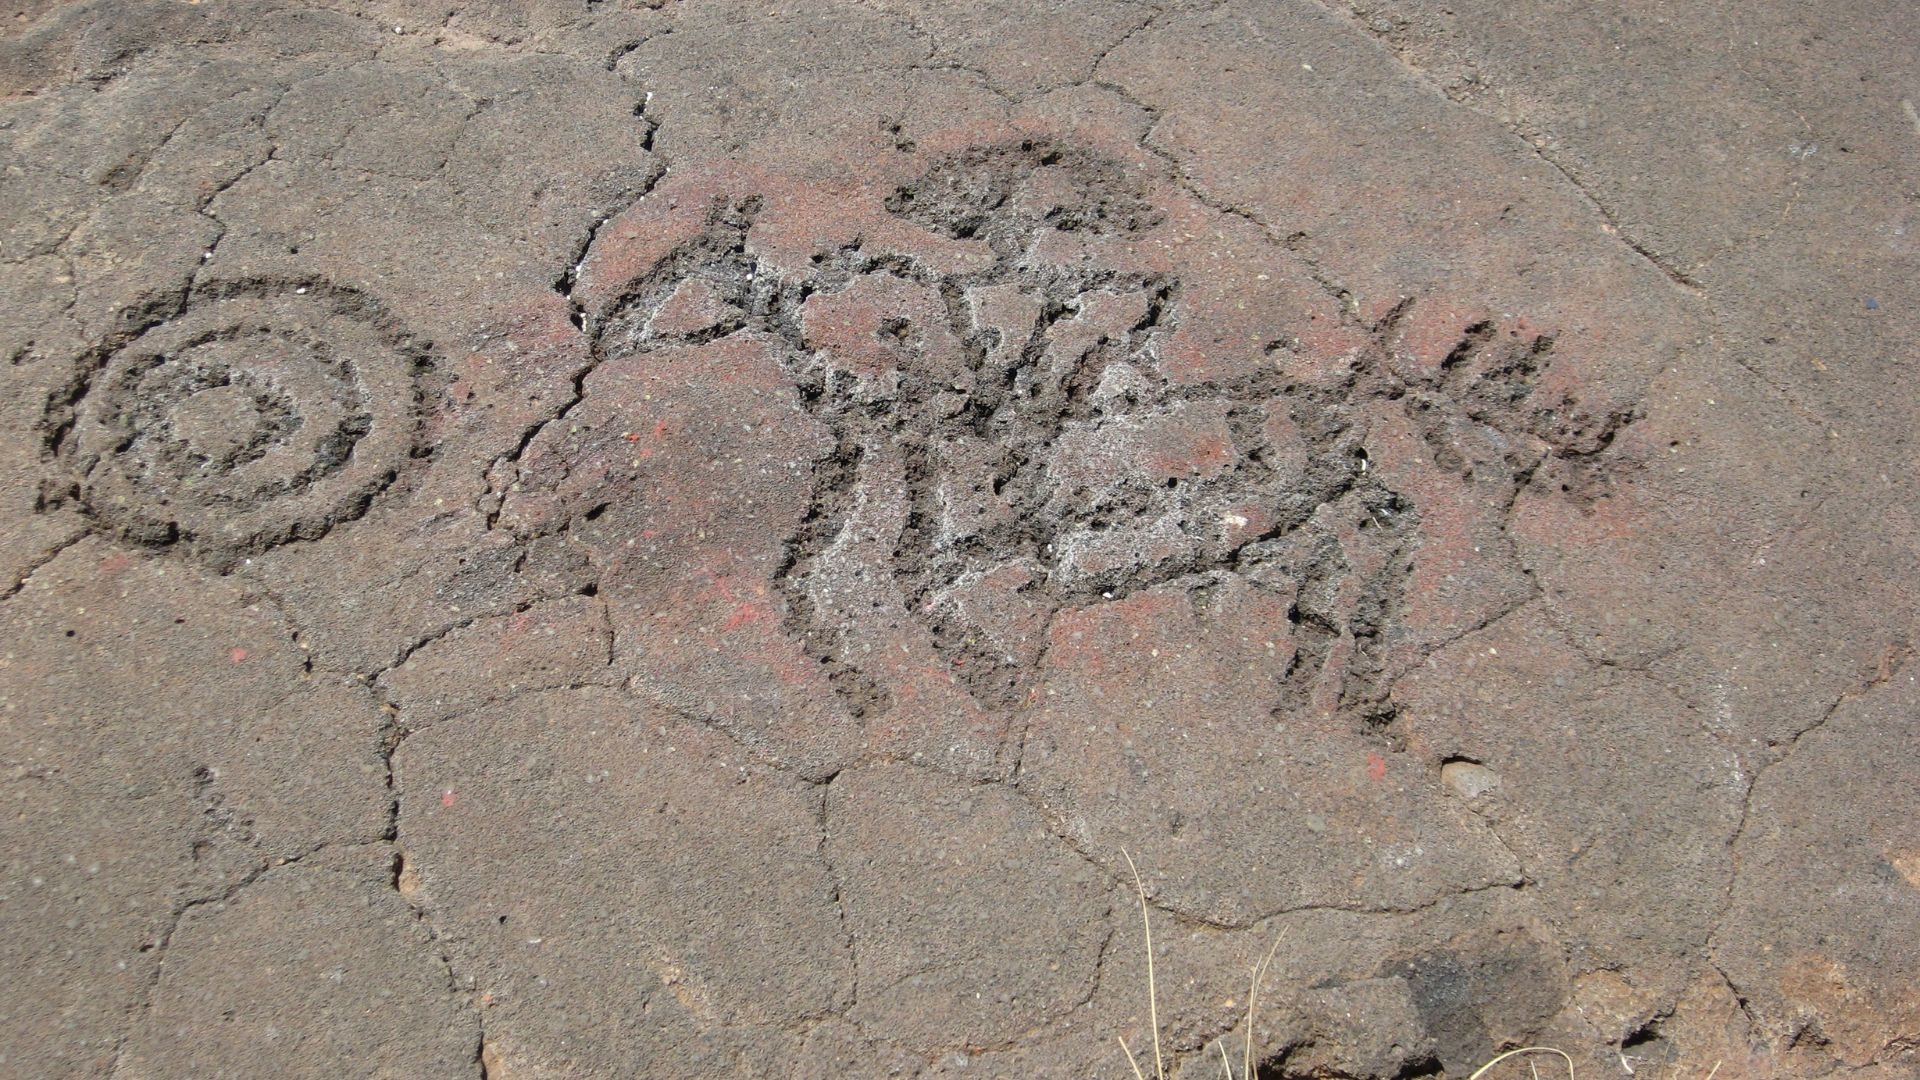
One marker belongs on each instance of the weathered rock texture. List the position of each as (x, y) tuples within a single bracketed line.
[(556, 538)]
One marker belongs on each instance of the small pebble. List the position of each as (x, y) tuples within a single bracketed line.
[(1468, 779)]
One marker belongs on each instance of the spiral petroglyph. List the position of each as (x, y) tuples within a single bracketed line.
[(255, 416)]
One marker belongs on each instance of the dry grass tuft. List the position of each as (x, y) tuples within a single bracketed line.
[(1153, 998)]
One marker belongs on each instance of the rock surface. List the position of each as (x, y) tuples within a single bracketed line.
[(679, 537)]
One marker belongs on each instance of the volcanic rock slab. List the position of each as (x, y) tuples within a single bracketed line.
[(554, 538)]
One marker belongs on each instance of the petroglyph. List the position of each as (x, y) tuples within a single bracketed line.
[(258, 414)]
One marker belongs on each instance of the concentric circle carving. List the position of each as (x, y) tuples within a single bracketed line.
[(253, 417)]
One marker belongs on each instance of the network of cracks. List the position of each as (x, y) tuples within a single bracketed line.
[(1006, 443)]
